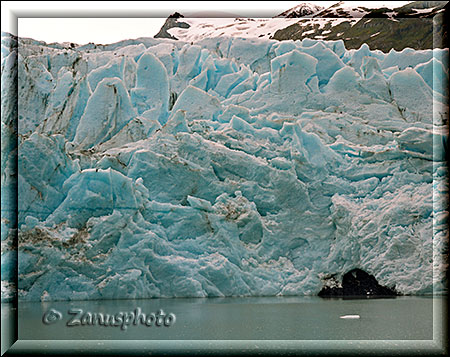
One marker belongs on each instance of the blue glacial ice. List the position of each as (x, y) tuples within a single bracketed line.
[(227, 167)]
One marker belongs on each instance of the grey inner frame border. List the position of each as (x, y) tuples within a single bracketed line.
[(436, 346)]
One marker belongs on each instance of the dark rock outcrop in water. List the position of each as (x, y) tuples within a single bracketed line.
[(171, 21), (357, 283)]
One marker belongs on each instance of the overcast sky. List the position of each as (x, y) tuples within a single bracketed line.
[(82, 30)]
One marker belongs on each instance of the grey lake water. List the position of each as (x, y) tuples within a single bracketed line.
[(279, 325), (264, 318)]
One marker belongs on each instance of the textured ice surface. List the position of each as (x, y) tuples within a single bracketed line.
[(158, 168)]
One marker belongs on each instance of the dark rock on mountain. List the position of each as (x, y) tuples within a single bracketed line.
[(172, 21), (424, 9), (383, 29), (418, 25), (379, 33)]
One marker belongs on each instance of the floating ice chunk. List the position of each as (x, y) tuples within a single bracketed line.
[(350, 317)]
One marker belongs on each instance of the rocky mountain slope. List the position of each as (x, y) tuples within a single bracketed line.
[(382, 28), (302, 10)]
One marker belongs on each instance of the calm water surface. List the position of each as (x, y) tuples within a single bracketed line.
[(268, 318)]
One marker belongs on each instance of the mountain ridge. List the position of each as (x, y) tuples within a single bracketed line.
[(303, 9), (383, 28)]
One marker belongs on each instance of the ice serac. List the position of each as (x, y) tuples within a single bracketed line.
[(413, 96), (44, 166), (107, 111), (151, 94), (225, 167), (96, 192), (291, 71), (198, 104)]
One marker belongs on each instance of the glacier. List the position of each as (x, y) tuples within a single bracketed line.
[(222, 167)]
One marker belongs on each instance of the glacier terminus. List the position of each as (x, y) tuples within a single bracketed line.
[(224, 166)]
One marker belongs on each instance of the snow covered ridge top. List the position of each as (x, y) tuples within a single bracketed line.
[(353, 22), (389, 9), (303, 9), (230, 166)]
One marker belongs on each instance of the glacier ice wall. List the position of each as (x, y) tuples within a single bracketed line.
[(229, 166)]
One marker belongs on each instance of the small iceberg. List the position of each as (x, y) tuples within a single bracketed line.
[(350, 317)]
